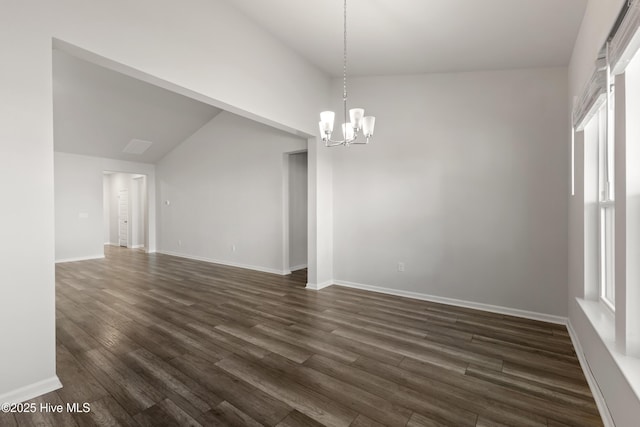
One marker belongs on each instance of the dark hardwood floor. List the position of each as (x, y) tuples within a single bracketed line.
[(154, 340)]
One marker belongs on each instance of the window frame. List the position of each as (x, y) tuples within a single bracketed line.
[(606, 203)]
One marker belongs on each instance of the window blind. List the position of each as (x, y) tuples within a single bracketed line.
[(625, 40), (592, 98)]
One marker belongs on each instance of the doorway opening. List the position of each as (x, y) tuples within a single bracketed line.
[(295, 210), (126, 210)]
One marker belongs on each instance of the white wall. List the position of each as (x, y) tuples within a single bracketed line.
[(593, 328), (465, 182), (272, 83), (225, 189), (628, 192), (79, 203), (79, 207), (320, 215), (298, 202)]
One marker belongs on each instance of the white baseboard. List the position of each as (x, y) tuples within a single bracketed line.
[(58, 261), (137, 246), (459, 303), (318, 286), (30, 391), (605, 414), (228, 263), (298, 267)]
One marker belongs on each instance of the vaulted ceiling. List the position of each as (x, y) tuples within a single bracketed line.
[(423, 36), (98, 112)]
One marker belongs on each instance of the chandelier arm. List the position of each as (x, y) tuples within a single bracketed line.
[(345, 141), (333, 144)]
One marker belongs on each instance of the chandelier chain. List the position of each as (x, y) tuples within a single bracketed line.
[(354, 120), (344, 65)]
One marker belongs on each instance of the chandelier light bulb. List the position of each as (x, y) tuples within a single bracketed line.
[(323, 133), (368, 123), (327, 118), (347, 131), (356, 115)]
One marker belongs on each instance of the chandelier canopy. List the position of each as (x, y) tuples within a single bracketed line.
[(357, 123)]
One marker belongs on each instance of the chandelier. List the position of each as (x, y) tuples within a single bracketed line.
[(358, 121)]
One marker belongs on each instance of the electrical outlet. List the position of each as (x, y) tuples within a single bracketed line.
[(233, 248), (400, 266), (179, 242)]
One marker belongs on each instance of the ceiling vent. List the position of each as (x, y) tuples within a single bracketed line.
[(137, 146)]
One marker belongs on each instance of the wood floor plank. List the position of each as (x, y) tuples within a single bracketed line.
[(501, 396), (7, 420), (46, 418), (305, 400), (152, 339), (445, 412), (359, 348), (363, 421), (355, 398), (258, 404), (423, 329), (499, 343), (455, 390), (530, 359), (298, 419), (484, 422), (553, 380), (234, 416), (73, 337), (311, 344), (105, 412), (436, 354), (533, 388), (155, 341), (283, 348), (418, 420), (228, 341), (78, 385), (165, 414), (285, 311), (128, 388), (181, 389)]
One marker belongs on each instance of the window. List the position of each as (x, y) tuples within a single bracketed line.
[(606, 203)]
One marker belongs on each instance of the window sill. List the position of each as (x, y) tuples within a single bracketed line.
[(603, 321)]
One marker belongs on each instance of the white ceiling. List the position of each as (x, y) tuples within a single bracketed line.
[(423, 36), (97, 112)]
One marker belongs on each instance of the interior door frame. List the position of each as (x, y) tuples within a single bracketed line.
[(286, 220), (127, 223)]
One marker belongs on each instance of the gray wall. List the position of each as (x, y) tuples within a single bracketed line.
[(79, 207), (272, 83), (465, 182), (80, 204), (225, 187)]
